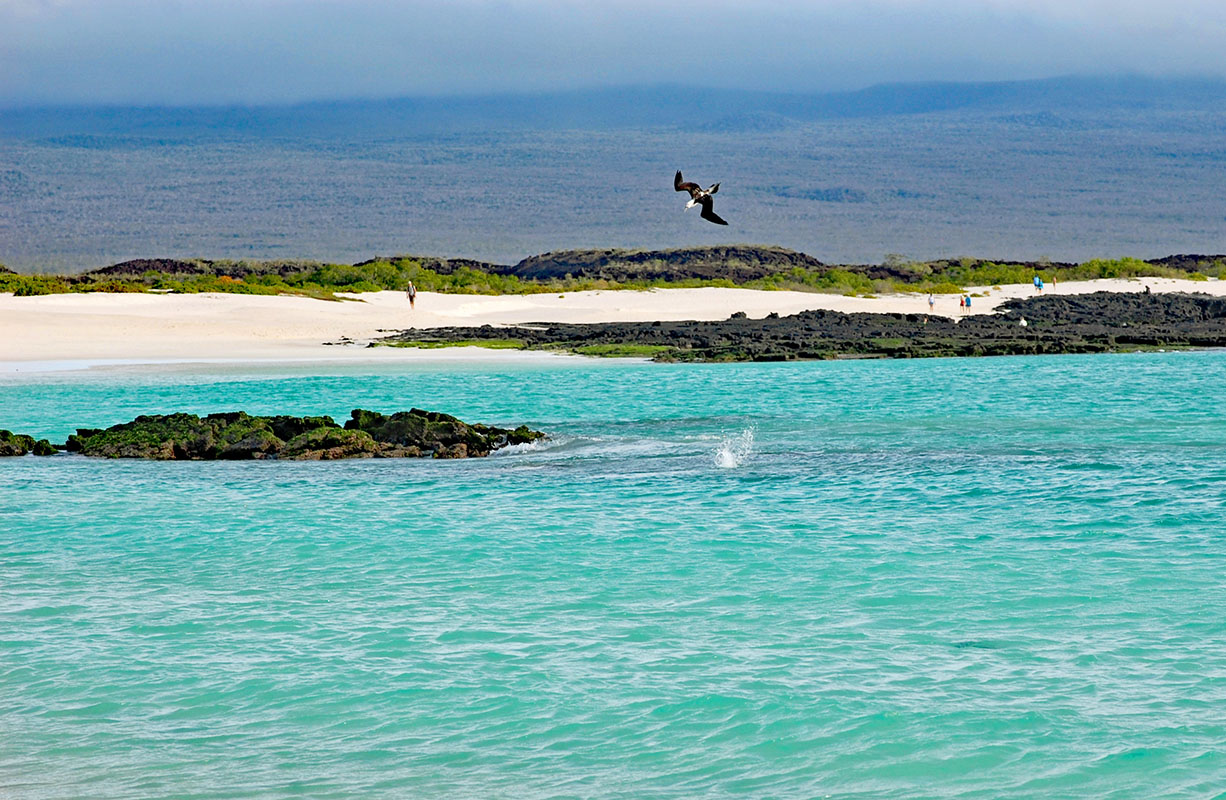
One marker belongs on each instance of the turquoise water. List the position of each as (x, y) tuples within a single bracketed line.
[(942, 578)]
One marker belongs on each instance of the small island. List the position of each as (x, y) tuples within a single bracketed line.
[(241, 436)]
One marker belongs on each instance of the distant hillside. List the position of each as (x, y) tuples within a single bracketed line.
[(138, 268), (718, 110), (737, 263)]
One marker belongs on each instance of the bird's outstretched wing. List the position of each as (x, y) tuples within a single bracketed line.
[(708, 214), (688, 186)]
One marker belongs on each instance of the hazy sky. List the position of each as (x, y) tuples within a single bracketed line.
[(250, 51)]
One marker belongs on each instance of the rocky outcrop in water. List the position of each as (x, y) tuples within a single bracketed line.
[(1089, 323), (240, 436), (18, 444), (436, 434)]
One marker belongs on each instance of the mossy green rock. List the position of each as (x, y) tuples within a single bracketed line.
[(238, 435), (18, 444), (44, 448), (440, 435), (326, 444)]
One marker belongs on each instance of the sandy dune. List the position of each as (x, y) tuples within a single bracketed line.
[(74, 330)]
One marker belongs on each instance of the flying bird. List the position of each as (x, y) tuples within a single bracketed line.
[(699, 197)]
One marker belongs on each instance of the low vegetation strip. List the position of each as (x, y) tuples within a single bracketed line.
[(1093, 323), (602, 350), (746, 266)]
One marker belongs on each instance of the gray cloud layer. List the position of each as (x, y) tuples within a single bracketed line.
[(222, 51)]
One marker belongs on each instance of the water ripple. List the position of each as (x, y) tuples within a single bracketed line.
[(936, 597)]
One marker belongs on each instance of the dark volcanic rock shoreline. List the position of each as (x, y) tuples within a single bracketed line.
[(1091, 323), (240, 436)]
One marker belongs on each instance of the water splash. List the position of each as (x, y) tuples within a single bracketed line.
[(529, 447), (734, 450)]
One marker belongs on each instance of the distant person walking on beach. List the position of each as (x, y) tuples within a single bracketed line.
[(411, 293), (931, 303), (968, 301), (1038, 284), (961, 301)]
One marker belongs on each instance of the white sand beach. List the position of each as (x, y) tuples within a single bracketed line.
[(78, 330)]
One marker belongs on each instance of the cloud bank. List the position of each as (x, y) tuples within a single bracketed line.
[(256, 51)]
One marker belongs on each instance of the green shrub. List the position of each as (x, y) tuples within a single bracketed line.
[(31, 285), (622, 350)]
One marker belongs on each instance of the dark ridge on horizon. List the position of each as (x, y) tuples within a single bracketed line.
[(578, 270), (619, 107), (736, 262)]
